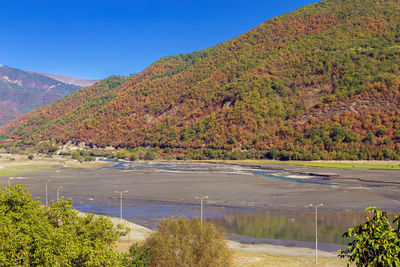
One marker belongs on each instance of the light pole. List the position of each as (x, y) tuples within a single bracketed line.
[(58, 191), (316, 229), (47, 202), (201, 207), (120, 201)]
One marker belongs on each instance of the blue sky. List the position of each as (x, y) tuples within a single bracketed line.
[(95, 39)]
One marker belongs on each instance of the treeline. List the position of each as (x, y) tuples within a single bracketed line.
[(290, 152)]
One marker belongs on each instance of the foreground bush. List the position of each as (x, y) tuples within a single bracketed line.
[(187, 242), (376, 242), (138, 256), (32, 235)]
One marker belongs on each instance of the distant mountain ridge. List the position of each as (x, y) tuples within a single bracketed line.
[(321, 82), (70, 80), (22, 91)]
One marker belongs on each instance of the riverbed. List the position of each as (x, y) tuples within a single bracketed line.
[(255, 204)]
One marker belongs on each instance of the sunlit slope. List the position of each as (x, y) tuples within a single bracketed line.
[(59, 118), (322, 78)]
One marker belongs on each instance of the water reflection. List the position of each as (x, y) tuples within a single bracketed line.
[(296, 226), (247, 224)]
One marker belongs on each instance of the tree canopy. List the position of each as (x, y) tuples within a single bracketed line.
[(54, 235), (187, 242), (376, 242)]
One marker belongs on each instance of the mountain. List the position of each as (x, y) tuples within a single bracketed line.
[(320, 82), (22, 91), (70, 80)]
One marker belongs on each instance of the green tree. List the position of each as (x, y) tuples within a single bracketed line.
[(188, 242), (56, 235), (76, 155), (376, 242), (150, 155), (138, 256)]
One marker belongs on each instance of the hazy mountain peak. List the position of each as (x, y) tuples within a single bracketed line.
[(22, 91), (70, 80)]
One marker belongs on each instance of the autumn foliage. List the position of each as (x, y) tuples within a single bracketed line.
[(321, 82)]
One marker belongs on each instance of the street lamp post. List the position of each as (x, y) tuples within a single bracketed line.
[(316, 229), (120, 201), (58, 191), (47, 199), (201, 207)]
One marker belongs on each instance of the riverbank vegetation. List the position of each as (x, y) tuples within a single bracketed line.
[(86, 153), (252, 157)]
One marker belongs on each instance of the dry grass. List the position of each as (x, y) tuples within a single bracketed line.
[(123, 246), (261, 259), (91, 164), (375, 164), (243, 258), (14, 170)]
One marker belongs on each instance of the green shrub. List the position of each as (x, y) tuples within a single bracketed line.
[(55, 235), (381, 132), (150, 155), (133, 156), (123, 154), (138, 256), (376, 242), (77, 156), (188, 242), (167, 150)]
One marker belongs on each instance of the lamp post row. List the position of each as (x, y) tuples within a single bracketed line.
[(60, 187)]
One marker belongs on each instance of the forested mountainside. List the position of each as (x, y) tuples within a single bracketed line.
[(320, 82), (22, 91)]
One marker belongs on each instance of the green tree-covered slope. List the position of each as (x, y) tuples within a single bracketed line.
[(320, 82)]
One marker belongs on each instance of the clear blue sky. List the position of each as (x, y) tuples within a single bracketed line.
[(95, 39)]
